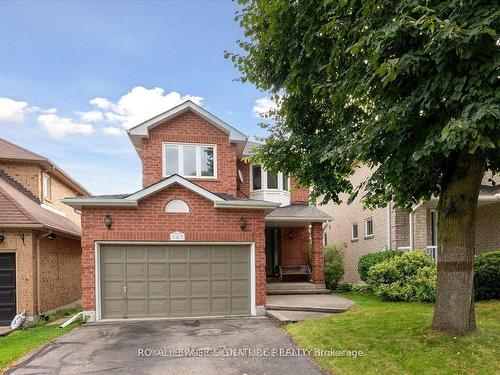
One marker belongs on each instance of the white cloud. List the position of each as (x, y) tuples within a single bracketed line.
[(59, 127), (91, 116), (140, 104), (12, 111), (113, 130), (263, 105)]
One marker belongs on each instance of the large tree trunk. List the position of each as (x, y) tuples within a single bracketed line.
[(457, 205)]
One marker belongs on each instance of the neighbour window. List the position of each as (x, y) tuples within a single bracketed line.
[(189, 160), (354, 231), (272, 180), (285, 182), (368, 227), (256, 177), (46, 186)]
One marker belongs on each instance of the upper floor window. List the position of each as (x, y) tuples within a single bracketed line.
[(46, 186), (256, 177), (368, 227), (262, 179), (189, 160), (354, 231)]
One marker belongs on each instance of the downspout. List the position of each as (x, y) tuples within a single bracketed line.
[(389, 225)]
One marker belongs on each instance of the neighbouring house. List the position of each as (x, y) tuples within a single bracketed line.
[(206, 232), (40, 251), (361, 231)]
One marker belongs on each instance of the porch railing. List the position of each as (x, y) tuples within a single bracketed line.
[(430, 250)]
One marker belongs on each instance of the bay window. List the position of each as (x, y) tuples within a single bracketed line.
[(268, 180), (189, 160)]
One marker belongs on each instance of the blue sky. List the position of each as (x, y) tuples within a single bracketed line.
[(137, 58)]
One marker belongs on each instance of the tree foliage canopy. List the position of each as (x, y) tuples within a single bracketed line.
[(401, 86)]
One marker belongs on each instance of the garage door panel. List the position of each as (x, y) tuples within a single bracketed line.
[(113, 289), (113, 254), (158, 289), (200, 289), (239, 254), (179, 307), (113, 309), (239, 305), (175, 280), (179, 289), (113, 271), (200, 254), (158, 271), (220, 271), (239, 271), (137, 308), (220, 254), (137, 289), (179, 254), (221, 288), (158, 308), (137, 254), (136, 271), (221, 305), (200, 271), (200, 306), (158, 254)]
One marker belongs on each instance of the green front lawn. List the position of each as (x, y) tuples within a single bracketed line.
[(395, 339), (21, 342)]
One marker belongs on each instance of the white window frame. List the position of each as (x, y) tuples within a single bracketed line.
[(263, 180), (366, 228), (352, 231), (198, 146), (46, 190)]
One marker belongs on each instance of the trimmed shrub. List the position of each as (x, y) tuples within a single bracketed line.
[(409, 277), (344, 287), (369, 260), (334, 266), (487, 275)]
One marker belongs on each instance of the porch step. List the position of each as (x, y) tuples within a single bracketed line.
[(297, 291), (282, 317), (295, 288), (308, 303)]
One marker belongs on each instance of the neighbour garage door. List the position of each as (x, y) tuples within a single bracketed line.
[(140, 281)]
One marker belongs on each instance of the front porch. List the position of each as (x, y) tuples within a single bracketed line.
[(294, 250)]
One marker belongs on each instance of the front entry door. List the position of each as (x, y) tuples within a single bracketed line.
[(272, 251), (7, 287)]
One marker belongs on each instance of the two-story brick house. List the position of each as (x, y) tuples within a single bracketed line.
[(204, 233), (40, 251)]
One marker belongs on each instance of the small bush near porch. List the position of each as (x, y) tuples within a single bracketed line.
[(395, 338)]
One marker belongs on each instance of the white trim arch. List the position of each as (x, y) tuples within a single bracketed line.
[(177, 206)]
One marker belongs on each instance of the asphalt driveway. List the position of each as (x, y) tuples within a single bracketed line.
[(230, 346)]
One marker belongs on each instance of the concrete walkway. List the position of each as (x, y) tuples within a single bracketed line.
[(325, 303)]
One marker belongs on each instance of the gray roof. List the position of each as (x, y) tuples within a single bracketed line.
[(299, 211), (247, 151)]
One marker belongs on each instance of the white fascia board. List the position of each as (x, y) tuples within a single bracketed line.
[(78, 203), (247, 204), (175, 179), (299, 219), (142, 129)]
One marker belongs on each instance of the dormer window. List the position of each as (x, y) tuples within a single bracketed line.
[(46, 187), (189, 160)]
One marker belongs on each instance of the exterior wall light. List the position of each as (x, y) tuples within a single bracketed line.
[(51, 236), (243, 223), (108, 222), (2, 238)]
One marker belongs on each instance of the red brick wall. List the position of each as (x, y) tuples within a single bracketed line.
[(244, 187), (298, 194), (294, 246), (317, 253), (149, 222), (189, 127), (60, 272)]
